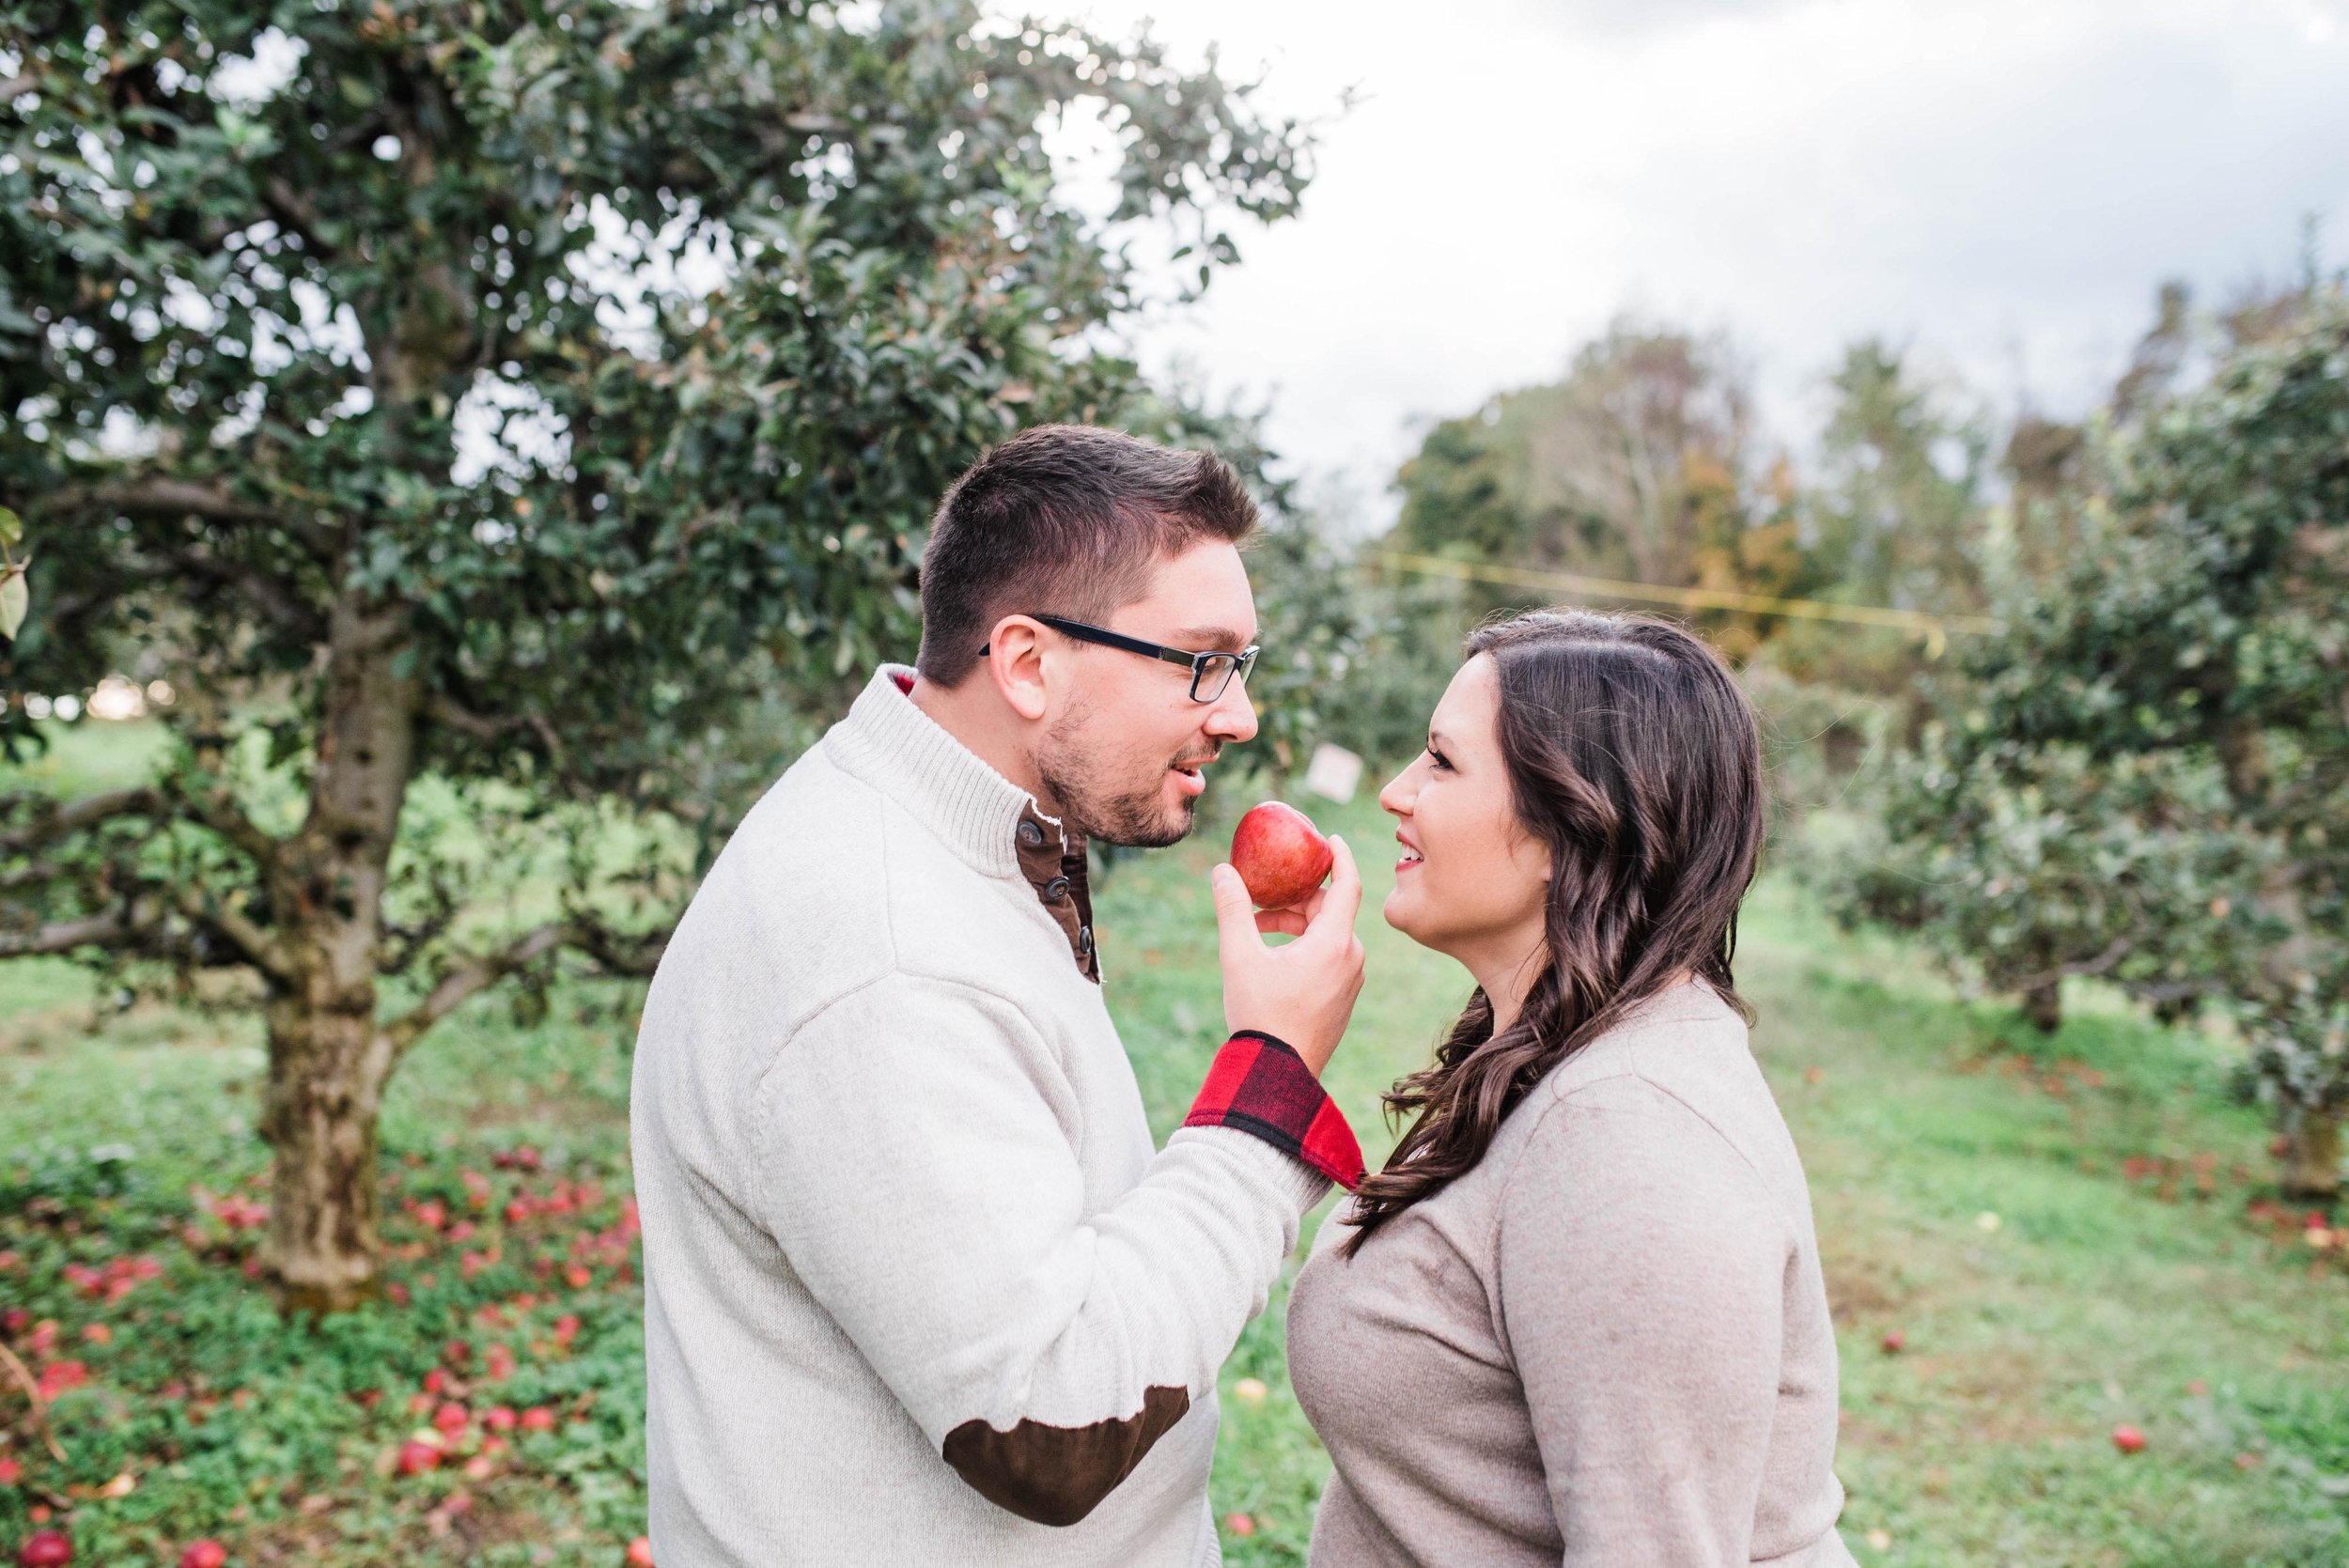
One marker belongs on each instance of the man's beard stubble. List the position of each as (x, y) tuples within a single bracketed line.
[(1071, 767)]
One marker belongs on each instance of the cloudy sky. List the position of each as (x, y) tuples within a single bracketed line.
[(2001, 186)]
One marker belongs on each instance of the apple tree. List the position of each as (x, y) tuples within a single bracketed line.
[(485, 400), (2146, 778)]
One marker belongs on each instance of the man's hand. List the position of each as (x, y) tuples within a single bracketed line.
[(1304, 992)]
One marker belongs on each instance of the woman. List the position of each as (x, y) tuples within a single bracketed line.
[(1579, 1316)]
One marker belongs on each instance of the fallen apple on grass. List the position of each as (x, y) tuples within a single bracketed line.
[(45, 1548), (2128, 1439), (640, 1552), (1280, 855), (205, 1554)]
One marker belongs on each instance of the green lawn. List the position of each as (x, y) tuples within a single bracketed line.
[(2123, 1281)]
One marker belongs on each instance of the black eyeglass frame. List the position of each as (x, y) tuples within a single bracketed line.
[(1232, 665)]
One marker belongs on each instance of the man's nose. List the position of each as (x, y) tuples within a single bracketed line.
[(1234, 717)]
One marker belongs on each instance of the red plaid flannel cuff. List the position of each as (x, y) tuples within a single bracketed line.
[(1260, 1085)]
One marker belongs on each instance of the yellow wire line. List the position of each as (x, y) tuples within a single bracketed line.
[(1933, 628)]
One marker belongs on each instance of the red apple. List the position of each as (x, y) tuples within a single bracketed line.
[(45, 1548), (2128, 1439), (1280, 854), (537, 1418), (1239, 1524), (416, 1457), (640, 1552), (205, 1554), (1894, 1342)]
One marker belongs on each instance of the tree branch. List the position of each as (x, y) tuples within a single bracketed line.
[(615, 953), (2173, 990), (255, 944), (460, 983), (272, 600), (294, 211), (217, 809), (2101, 964), (159, 495), (444, 709), (123, 926), (447, 710), (68, 816), (32, 1397)]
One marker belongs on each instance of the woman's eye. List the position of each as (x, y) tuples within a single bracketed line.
[(1440, 761)]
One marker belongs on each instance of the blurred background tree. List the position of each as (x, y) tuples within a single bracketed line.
[(1637, 466), (1640, 466), (510, 398), (2146, 777)]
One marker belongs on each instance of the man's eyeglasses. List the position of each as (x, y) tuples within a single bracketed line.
[(1211, 673)]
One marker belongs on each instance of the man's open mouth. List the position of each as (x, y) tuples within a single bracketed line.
[(1192, 772)]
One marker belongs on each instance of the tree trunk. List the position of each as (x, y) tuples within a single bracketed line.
[(2044, 1006), (324, 1243), (328, 1056), (2312, 1157)]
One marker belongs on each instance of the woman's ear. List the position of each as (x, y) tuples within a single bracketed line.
[(1533, 851), (1014, 662)]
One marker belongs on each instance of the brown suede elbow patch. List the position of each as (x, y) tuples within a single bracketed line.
[(1056, 1475)]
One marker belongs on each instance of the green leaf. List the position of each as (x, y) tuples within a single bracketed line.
[(15, 600), (11, 528)]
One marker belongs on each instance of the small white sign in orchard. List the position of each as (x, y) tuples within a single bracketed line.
[(1334, 773)]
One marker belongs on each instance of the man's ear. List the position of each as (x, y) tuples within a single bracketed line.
[(1014, 662)]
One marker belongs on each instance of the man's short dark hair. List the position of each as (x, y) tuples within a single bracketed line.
[(1064, 519)]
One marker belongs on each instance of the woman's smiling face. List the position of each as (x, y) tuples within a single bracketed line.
[(1472, 880)]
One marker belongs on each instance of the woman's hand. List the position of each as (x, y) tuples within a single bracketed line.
[(1303, 993)]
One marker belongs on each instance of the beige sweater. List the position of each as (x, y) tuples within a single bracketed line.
[(1606, 1344)]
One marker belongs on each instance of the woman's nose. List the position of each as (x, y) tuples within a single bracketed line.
[(1398, 797)]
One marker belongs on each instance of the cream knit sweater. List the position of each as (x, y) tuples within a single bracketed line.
[(897, 1184)]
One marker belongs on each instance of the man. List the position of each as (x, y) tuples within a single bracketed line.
[(918, 1290)]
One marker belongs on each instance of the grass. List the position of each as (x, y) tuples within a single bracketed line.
[(2125, 1279)]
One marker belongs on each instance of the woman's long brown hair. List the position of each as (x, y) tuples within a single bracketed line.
[(1633, 756)]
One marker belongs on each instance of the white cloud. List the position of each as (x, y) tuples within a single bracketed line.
[(2001, 184)]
